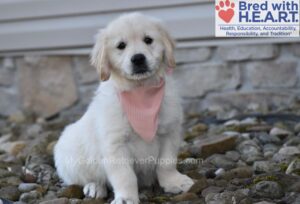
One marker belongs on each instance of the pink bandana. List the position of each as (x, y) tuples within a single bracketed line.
[(141, 107)]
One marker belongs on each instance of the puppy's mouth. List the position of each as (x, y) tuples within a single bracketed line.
[(140, 74)]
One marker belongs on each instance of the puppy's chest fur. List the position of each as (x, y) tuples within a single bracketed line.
[(145, 154)]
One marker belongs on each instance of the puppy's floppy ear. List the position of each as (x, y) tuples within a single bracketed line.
[(169, 45), (99, 57)]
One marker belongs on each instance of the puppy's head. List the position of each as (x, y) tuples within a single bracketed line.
[(134, 47)]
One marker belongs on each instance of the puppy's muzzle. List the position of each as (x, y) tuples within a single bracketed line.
[(139, 64)]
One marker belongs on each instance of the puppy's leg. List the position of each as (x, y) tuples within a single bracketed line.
[(120, 173), (95, 190), (168, 177)]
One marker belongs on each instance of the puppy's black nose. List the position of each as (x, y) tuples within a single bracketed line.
[(138, 59)]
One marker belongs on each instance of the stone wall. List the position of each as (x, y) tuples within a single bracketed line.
[(258, 77)]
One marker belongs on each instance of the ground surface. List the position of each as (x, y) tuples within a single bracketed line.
[(244, 160)]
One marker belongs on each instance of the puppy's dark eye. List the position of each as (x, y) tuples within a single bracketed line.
[(121, 46), (148, 40)]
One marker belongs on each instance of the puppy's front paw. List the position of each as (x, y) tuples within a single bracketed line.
[(175, 183), (120, 200), (94, 190)]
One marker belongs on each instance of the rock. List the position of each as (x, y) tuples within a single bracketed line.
[(50, 147), (72, 191), (185, 197), (265, 138), (294, 187), (213, 145), (248, 52), (242, 99), (220, 161), (210, 174), (10, 193), (232, 123), (10, 181), (188, 164), (56, 201), (239, 172), (50, 195), (219, 172), (13, 148), (26, 187), (85, 72), (4, 173), (205, 78), (294, 167), (294, 141), (93, 201), (250, 151), (273, 74), (264, 167), (199, 186), (34, 130), (200, 127), (270, 150), (211, 189), (30, 197), (297, 127), (279, 132), (189, 55), (9, 103), (233, 155), (52, 90), (289, 151), (267, 189), (227, 197), (264, 202), (17, 117)]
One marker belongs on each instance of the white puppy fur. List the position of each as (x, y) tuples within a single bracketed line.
[(98, 150)]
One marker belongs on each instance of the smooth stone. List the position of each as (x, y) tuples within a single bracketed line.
[(250, 151), (233, 155), (10, 193), (232, 123), (50, 147), (212, 145), (265, 138), (297, 128), (227, 197), (30, 196), (294, 167), (239, 172), (56, 201), (72, 191), (220, 172), (294, 141), (279, 132), (188, 164), (220, 161), (26, 187), (93, 201), (267, 189), (199, 186), (185, 197), (211, 189), (289, 150), (270, 150), (263, 167)]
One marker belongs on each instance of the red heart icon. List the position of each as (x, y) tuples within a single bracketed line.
[(226, 15)]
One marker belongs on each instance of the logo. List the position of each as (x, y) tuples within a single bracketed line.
[(257, 18), (225, 10)]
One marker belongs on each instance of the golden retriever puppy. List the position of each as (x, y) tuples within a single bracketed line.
[(131, 132)]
